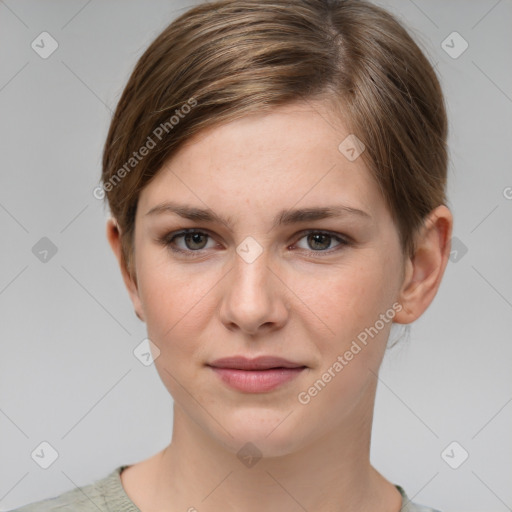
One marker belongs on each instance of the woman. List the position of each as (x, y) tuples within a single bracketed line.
[(276, 175)]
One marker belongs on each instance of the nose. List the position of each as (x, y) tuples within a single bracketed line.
[(253, 298)]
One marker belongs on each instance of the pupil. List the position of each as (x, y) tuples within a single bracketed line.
[(319, 236), (194, 237)]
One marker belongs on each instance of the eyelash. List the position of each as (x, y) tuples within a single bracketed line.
[(167, 240)]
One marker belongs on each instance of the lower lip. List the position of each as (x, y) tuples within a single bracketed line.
[(256, 381)]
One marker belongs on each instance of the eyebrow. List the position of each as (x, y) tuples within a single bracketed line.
[(284, 217)]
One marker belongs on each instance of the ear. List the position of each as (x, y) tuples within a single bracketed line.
[(425, 269), (114, 239)]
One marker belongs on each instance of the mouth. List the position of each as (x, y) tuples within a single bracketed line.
[(259, 375)]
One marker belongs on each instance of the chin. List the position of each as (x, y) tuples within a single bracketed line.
[(272, 433)]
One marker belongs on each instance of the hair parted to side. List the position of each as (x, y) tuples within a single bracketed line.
[(223, 60)]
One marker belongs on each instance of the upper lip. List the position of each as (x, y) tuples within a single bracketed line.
[(258, 363)]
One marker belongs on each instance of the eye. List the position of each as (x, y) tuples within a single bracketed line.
[(320, 241), (192, 241)]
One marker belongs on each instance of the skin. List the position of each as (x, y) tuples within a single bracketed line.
[(295, 301)]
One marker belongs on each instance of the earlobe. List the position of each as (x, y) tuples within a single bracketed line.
[(425, 269), (113, 232)]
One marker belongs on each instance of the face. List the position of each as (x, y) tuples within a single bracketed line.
[(318, 288)]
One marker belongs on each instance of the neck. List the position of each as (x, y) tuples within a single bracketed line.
[(196, 473)]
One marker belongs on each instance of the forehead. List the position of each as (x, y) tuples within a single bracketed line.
[(268, 161)]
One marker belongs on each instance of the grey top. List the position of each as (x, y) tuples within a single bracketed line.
[(108, 495)]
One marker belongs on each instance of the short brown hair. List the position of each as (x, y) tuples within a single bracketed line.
[(222, 60)]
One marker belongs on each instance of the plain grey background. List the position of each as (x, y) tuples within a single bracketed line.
[(68, 375)]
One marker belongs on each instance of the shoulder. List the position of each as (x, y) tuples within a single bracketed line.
[(98, 496), (409, 506)]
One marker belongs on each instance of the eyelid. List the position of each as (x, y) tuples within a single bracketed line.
[(340, 236), (168, 238)]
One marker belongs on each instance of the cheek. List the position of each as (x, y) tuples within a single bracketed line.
[(350, 296), (357, 305), (176, 300), (175, 309)]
